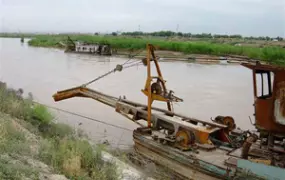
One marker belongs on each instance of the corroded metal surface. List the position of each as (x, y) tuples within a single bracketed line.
[(270, 104), (201, 129), (83, 47), (269, 94), (87, 93), (261, 171), (207, 165), (195, 148)]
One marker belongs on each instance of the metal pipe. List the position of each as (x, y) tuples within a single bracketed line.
[(269, 83), (149, 87), (160, 75), (254, 83), (262, 86)]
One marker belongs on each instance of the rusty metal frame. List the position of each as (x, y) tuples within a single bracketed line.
[(147, 90), (265, 120)]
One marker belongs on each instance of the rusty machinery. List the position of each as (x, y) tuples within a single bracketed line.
[(269, 105), (156, 90), (189, 133), (186, 133), (269, 94), (179, 129)]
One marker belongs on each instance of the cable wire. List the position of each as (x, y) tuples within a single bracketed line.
[(100, 77), (137, 64), (132, 56), (82, 116), (117, 68), (131, 62)]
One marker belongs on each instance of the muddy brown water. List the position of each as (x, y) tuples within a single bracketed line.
[(207, 90)]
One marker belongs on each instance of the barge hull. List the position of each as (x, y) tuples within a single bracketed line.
[(178, 168), (188, 166)]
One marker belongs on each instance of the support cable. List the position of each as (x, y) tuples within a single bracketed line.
[(82, 116), (119, 68)]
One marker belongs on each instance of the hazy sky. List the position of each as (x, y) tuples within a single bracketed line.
[(246, 17)]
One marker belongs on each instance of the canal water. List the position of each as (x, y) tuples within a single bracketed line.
[(207, 90)]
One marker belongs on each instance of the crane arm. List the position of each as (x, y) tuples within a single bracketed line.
[(85, 92), (133, 110)]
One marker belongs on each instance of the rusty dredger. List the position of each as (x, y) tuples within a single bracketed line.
[(199, 149), (102, 49)]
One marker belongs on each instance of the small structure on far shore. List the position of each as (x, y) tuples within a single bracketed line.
[(83, 47), (101, 49)]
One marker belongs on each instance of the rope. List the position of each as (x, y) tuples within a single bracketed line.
[(82, 116)]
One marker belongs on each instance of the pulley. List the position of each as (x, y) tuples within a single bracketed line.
[(226, 120), (185, 138), (156, 88), (144, 60), (119, 68)]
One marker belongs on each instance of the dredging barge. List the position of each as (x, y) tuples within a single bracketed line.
[(87, 48), (199, 149)]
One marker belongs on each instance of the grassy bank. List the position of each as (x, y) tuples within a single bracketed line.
[(17, 35), (274, 55), (33, 146)]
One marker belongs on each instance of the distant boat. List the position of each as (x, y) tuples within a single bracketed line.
[(83, 47)]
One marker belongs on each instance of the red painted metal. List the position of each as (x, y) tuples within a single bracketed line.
[(270, 108)]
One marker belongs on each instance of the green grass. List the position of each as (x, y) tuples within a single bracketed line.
[(41, 114), (16, 171), (17, 35), (77, 159), (13, 142), (274, 55), (58, 144)]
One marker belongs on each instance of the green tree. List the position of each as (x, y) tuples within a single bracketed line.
[(180, 34)]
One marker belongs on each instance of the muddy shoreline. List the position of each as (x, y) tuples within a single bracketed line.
[(179, 56)]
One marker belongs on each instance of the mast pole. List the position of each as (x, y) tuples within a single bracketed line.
[(149, 87)]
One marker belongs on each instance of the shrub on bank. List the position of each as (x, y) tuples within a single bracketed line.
[(14, 143), (14, 104), (59, 146), (77, 159)]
